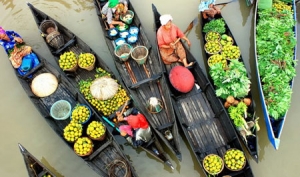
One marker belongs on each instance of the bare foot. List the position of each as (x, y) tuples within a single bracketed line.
[(191, 63)]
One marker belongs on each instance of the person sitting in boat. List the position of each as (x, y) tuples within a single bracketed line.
[(138, 131), (14, 46), (112, 11), (208, 9), (168, 36)]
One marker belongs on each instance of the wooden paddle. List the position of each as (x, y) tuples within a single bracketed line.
[(224, 3), (191, 25)]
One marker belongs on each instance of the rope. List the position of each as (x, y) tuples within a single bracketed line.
[(118, 165)]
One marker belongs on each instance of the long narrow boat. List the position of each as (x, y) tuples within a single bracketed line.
[(281, 45), (203, 117), (75, 44), (105, 152), (249, 139), (146, 81), (33, 165)]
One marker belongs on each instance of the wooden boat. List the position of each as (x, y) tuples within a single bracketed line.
[(275, 126), (34, 166), (106, 151), (202, 116), (75, 44), (250, 141), (145, 81)]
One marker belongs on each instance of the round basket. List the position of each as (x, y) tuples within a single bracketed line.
[(73, 69), (123, 51), (242, 163), (91, 67), (88, 153), (140, 54), (47, 24), (89, 112), (212, 32), (219, 159), (127, 17), (55, 39), (220, 47), (101, 138), (209, 60), (60, 110)]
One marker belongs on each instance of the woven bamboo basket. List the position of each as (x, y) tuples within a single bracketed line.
[(243, 166), (210, 52), (218, 34), (91, 67), (101, 138), (73, 69), (88, 153), (55, 39), (140, 54), (47, 24), (222, 167)]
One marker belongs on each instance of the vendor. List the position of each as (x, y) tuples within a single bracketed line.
[(208, 9), (112, 11), (14, 46), (138, 130)]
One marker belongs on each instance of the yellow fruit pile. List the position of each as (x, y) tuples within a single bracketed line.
[(107, 107), (212, 36), (80, 114), (217, 58), (83, 146), (212, 47), (234, 159), (280, 6), (67, 60), (213, 164), (231, 52), (95, 129), (72, 131), (86, 60)]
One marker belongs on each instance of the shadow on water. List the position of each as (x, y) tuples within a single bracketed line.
[(245, 11)]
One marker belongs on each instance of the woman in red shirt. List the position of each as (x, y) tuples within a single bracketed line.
[(168, 35)]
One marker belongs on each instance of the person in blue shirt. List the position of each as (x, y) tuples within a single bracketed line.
[(8, 39), (208, 9)]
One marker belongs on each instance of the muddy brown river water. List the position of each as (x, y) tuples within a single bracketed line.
[(22, 123)]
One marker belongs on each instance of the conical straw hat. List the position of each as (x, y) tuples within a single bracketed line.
[(44, 84), (104, 88)]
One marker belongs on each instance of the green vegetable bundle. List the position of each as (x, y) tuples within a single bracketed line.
[(230, 81), (216, 25), (275, 40)]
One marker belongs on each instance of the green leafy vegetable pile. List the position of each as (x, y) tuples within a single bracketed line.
[(275, 42), (216, 25), (230, 81)]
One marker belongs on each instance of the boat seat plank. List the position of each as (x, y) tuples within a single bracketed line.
[(95, 153)]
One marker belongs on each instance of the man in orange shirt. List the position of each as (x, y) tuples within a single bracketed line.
[(168, 35)]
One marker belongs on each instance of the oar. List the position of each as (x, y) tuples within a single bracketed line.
[(191, 25), (224, 3)]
